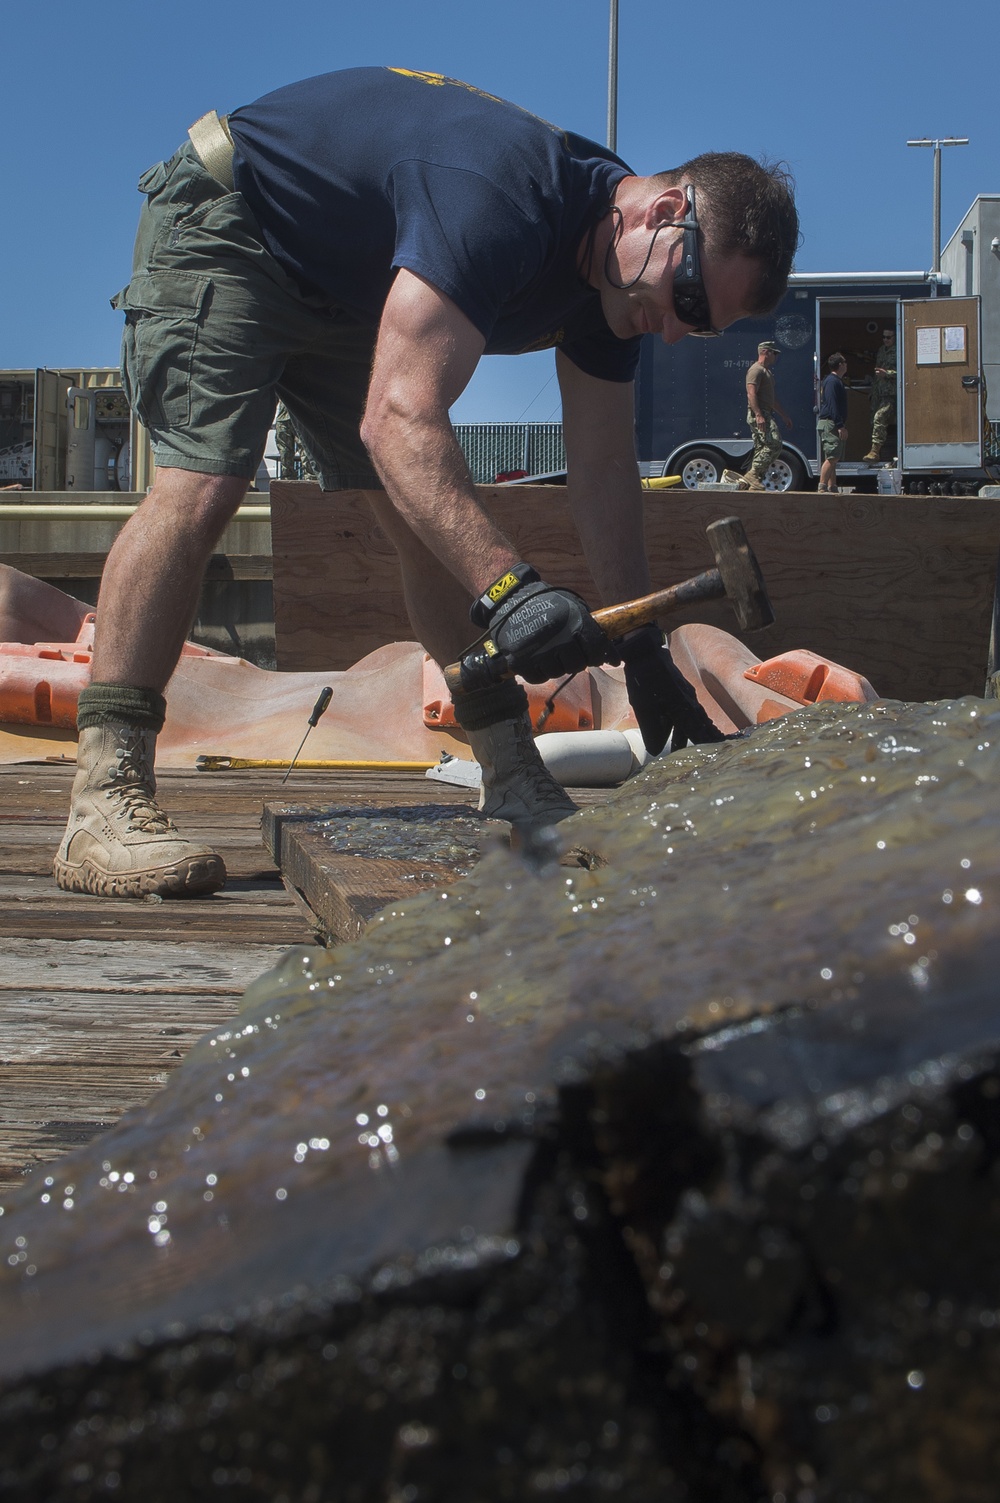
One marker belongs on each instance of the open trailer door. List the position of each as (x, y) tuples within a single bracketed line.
[(49, 469), (941, 425)]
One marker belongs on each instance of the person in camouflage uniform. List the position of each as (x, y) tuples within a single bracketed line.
[(883, 395), (295, 462), (762, 404)]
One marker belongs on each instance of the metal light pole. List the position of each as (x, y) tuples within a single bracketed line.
[(937, 144), (613, 77)]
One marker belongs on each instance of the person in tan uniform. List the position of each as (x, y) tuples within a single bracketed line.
[(762, 404)]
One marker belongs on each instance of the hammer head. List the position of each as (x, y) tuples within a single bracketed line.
[(740, 571)]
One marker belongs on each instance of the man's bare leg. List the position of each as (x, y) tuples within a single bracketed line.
[(152, 578), (118, 842), (516, 784)]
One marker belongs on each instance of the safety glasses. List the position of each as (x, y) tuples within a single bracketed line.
[(690, 299)]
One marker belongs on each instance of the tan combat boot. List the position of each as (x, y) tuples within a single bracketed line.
[(118, 842), (517, 785), (872, 457), (752, 482)]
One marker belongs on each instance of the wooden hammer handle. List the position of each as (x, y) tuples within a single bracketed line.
[(616, 620)]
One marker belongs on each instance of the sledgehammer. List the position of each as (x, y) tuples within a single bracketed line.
[(736, 577)]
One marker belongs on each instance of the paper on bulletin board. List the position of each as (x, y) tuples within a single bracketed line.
[(954, 344), (929, 346)]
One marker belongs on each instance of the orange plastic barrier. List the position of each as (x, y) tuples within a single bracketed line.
[(40, 682), (809, 679), (33, 692), (573, 710)]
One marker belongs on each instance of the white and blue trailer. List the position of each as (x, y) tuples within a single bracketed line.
[(691, 397)]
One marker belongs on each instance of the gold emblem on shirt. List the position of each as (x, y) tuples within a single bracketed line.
[(438, 80)]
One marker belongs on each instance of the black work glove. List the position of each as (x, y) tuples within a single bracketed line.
[(542, 632), (664, 703)]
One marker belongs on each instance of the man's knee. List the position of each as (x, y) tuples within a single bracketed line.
[(201, 504)]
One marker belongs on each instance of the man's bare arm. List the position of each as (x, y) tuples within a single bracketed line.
[(753, 403), (604, 491), (426, 353)]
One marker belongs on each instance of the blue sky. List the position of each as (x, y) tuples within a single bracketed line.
[(95, 94)]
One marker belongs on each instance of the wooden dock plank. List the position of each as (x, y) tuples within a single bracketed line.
[(207, 926), (67, 1028), (100, 998), (155, 967), (50, 1108)]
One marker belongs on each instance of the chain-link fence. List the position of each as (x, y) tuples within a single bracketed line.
[(493, 449)]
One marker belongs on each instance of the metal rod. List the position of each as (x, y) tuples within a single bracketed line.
[(936, 258), (613, 77), (936, 142)]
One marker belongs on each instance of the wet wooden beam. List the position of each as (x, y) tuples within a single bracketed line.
[(345, 890)]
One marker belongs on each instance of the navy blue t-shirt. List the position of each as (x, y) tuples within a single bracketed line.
[(833, 400), (351, 175)]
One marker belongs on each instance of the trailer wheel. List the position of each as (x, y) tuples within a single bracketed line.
[(701, 466), (786, 474)]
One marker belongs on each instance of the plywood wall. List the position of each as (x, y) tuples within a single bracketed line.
[(900, 589)]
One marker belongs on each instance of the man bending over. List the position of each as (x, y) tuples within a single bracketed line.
[(353, 245)]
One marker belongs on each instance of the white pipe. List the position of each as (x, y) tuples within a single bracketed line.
[(587, 759), (640, 756)]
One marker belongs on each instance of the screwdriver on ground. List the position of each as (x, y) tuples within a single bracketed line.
[(317, 710)]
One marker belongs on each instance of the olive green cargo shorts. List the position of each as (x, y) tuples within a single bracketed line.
[(832, 446), (216, 331)]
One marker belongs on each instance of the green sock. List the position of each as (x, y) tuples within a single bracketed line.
[(101, 703)]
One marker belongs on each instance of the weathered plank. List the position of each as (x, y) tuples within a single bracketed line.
[(101, 997), (74, 1093), (49, 1109), (898, 588), (195, 969), (287, 815), (345, 890), (151, 1030), (179, 927)]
